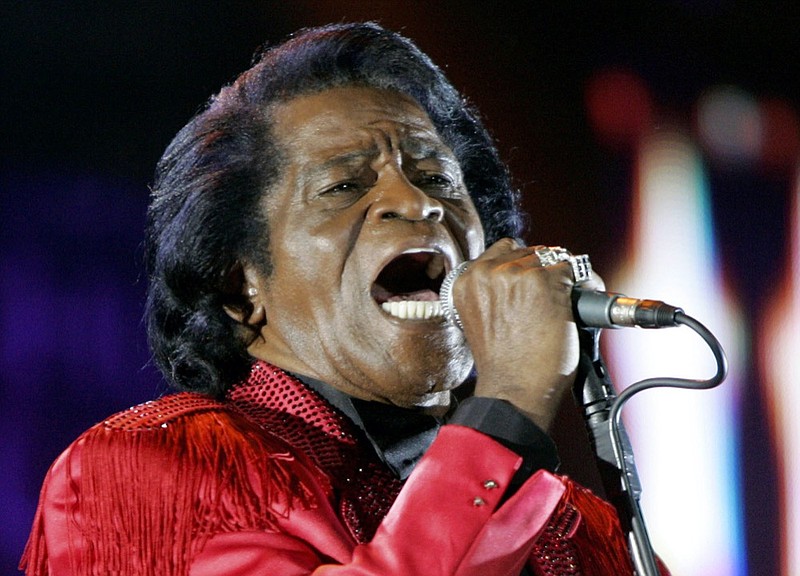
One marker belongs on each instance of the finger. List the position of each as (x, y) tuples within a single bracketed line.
[(596, 282), (501, 247), (509, 250)]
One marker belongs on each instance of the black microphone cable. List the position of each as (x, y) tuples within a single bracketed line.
[(641, 550)]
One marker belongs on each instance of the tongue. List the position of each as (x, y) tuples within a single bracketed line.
[(382, 295)]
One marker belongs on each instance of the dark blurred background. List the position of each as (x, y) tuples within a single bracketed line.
[(92, 92)]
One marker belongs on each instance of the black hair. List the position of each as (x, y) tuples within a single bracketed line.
[(204, 215)]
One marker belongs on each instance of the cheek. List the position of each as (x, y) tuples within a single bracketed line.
[(325, 234), (473, 240), (465, 226), (313, 253), (476, 242)]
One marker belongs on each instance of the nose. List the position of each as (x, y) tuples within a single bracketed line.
[(398, 198)]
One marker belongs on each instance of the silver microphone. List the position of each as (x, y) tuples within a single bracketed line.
[(597, 309)]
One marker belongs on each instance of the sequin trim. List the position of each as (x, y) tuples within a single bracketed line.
[(286, 408), (554, 552), (159, 413)]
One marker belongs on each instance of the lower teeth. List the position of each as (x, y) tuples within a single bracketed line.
[(413, 309)]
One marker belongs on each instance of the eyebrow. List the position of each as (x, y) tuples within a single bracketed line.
[(310, 172), (424, 149), (417, 148), (347, 158)]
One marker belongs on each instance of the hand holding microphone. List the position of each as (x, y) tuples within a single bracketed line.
[(519, 306), (516, 315), (592, 308)]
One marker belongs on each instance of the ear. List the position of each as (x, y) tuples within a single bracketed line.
[(244, 296)]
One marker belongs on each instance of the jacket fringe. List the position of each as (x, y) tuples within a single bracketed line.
[(145, 499), (598, 541)]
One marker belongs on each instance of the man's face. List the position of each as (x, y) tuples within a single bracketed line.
[(371, 208)]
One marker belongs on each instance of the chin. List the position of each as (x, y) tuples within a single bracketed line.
[(435, 388), (435, 401)]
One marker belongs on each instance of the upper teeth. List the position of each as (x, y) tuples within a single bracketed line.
[(413, 309)]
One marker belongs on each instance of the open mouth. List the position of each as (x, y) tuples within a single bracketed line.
[(408, 286)]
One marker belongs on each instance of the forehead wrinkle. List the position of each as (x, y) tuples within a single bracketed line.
[(415, 140), (346, 158), (395, 137), (311, 167)]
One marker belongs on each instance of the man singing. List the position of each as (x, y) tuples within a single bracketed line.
[(300, 229)]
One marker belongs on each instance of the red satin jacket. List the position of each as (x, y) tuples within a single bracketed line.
[(274, 481)]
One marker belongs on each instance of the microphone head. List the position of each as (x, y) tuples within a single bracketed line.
[(446, 294)]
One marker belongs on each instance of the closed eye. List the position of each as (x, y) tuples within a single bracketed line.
[(439, 185), (437, 180), (342, 194), (348, 187)]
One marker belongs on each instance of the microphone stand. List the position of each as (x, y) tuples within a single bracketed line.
[(594, 394)]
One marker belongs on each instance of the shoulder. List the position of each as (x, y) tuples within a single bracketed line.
[(164, 476), (187, 438), (210, 462), (162, 412), (186, 426), (183, 428)]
